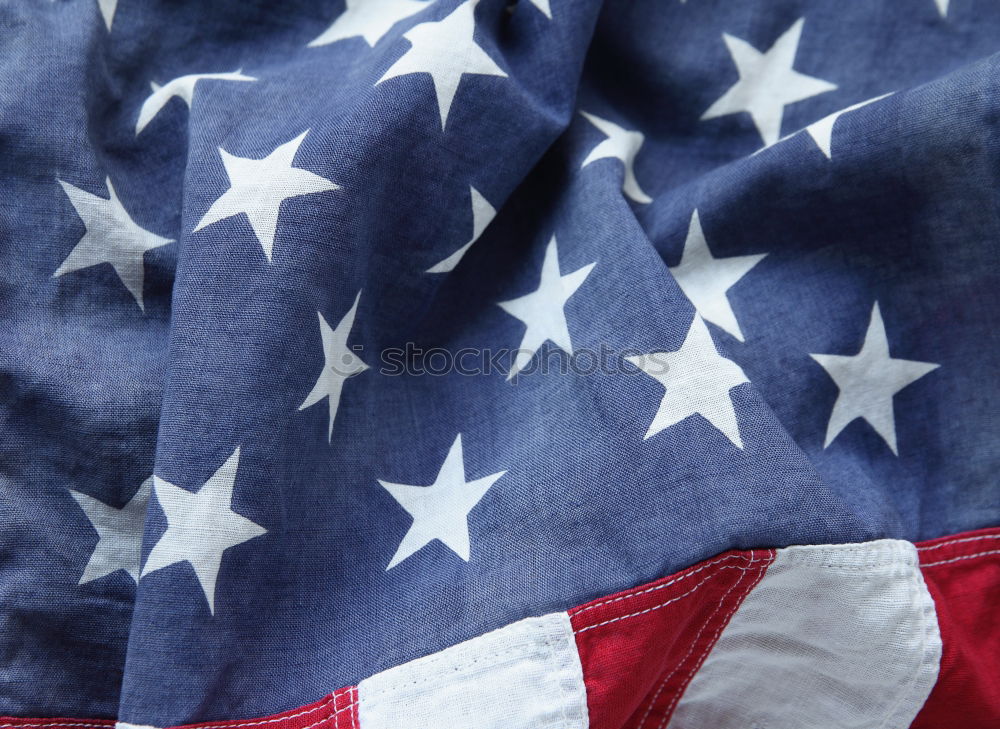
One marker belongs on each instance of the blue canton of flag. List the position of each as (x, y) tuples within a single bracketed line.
[(335, 334)]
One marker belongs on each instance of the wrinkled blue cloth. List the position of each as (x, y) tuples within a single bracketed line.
[(900, 211)]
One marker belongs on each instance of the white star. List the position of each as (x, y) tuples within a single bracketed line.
[(339, 363), (621, 144), (201, 526), (111, 237), (544, 6), (107, 8), (446, 50), (259, 186), (181, 87), (542, 309), (697, 380), (441, 510), (119, 533), (767, 83), (705, 280), (482, 214), (370, 19), (868, 381), (822, 131), (942, 6)]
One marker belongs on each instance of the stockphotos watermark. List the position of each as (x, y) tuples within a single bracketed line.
[(415, 361)]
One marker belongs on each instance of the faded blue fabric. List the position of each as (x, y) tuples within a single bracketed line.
[(96, 394)]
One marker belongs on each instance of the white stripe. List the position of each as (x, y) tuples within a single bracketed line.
[(526, 675), (833, 637), (126, 725)]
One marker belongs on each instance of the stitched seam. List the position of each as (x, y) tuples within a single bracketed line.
[(372, 697), (275, 719), (347, 707), (958, 541), (651, 609), (662, 604), (433, 660), (325, 718), (715, 637), (857, 567), (355, 715), (332, 715), (670, 674), (44, 726), (654, 588), (959, 559)]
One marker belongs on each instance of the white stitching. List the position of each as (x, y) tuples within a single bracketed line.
[(715, 637), (959, 559), (654, 588), (442, 656), (342, 709), (110, 724), (663, 604), (275, 719), (957, 541), (333, 715), (670, 674), (325, 718)]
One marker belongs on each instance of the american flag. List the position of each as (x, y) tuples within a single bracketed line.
[(477, 364)]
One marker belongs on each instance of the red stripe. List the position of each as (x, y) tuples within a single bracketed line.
[(963, 576), (12, 722), (641, 647), (338, 710)]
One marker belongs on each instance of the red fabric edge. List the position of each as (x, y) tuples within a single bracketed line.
[(338, 710), (639, 648), (13, 722), (962, 573), (970, 667), (959, 547), (335, 711)]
